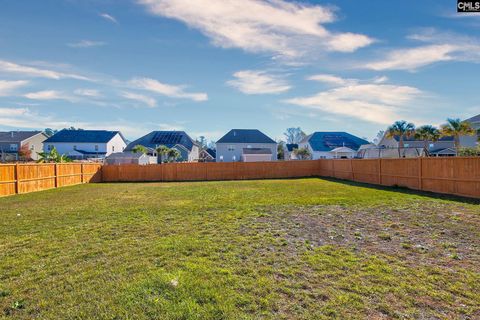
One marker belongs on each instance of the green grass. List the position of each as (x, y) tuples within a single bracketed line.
[(271, 249)]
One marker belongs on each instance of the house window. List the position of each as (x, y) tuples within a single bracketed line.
[(221, 158), (32, 147), (13, 147), (113, 148), (406, 145), (249, 147), (431, 145), (231, 148), (234, 158), (96, 147)]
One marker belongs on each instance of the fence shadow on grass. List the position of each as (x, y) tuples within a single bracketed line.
[(405, 191)]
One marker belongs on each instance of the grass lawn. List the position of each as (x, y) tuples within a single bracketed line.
[(271, 249)]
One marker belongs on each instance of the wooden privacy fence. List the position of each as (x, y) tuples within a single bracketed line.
[(449, 175), (455, 175), (210, 171), (24, 178)]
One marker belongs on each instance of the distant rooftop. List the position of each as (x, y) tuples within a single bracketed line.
[(166, 138), (245, 136), (17, 136), (83, 136), (327, 141)]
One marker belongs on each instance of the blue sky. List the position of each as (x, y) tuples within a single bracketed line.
[(207, 66)]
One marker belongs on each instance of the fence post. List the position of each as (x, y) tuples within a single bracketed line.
[(56, 175), (351, 169), (17, 180), (82, 174), (380, 171), (420, 174)]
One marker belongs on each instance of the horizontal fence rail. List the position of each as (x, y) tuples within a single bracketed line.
[(455, 175), (24, 178)]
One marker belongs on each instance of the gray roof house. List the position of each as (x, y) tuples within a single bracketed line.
[(248, 145), (179, 140), (329, 145), (11, 142), (445, 146), (86, 144)]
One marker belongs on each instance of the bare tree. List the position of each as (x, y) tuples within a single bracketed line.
[(294, 135)]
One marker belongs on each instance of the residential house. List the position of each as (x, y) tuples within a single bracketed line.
[(129, 158), (179, 140), (246, 145), (331, 145), (13, 142), (471, 141), (414, 147), (288, 151), (207, 155), (86, 144)]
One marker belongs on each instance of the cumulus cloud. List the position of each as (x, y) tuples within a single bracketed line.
[(168, 90), (7, 87), (30, 71), (149, 101), (258, 82), (86, 44), (278, 27), (373, 102)]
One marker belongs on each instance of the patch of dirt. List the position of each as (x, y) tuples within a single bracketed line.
[(437, 234)]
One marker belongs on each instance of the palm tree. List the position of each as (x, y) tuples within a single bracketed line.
[(456, 128), (401, 129), (173, 155), (427, 133), (139, 149), (162, 152), (53, 156)]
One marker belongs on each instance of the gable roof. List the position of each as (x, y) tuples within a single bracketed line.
[(245, 136), (17, 136), (291, 146), (81, 136), (211, 152), (169, 139), (474, 119), (443, 138), (327, 141)]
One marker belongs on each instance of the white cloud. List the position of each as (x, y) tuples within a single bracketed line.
[(168, 90), (258, 82), (7, 87), (47, 95), (414, 58), (282, 28), (108, 17), (373, 102), (24, 118), (86, 44), (14, 68), (436, 47), (331, 79), (149, 101), (91, 93)]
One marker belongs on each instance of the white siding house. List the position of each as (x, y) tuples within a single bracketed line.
[(84, 144)]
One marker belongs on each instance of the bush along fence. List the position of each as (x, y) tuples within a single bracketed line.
[(24, 178), (455, 175)]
